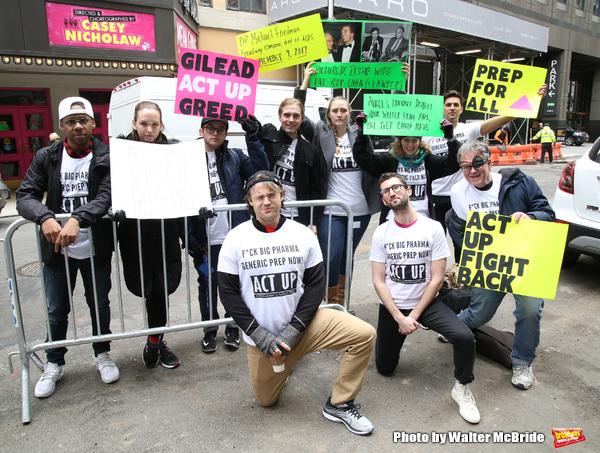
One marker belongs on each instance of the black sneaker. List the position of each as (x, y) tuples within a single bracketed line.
[(232, 339), (150, 356), (348, 415), (209, 343), (166, 356)]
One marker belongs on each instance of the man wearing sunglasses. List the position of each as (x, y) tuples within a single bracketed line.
[(228, 170), (408, 257), (512, 193), (75, 173)]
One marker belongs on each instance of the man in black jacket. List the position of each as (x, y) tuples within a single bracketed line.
[(271, 281), (76, 176)]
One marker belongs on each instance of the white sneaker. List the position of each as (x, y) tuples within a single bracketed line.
[(47, 383), (107, 368), (466, 403), (523, 377)]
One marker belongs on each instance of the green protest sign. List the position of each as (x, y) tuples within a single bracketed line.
[(403, 114), (384, 76)]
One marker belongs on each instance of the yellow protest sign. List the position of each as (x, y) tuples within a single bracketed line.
[(286, 44), (506, 89), (523, 258)]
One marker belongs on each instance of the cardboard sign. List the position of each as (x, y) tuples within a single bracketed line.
[(152, 181), (523, 258), (506, 89), (412, 115), (384, 76), (216, 85), (286, 44)]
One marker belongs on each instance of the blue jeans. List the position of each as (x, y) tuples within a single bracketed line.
[(528, 312), (203, 296), (337, 248), (57, 295)]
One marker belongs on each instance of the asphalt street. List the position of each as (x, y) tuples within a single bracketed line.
[(207, 404)]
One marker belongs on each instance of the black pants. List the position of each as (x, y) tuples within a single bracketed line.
[(441, 205), (438, 317), (547, 147)]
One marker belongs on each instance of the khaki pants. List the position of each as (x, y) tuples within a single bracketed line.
[(329, 329)]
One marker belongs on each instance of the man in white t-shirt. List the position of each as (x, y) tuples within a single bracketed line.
[(271, 281), (408, 255), (463, 132), (74, 177)]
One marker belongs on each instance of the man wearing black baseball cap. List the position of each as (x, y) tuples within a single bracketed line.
[(228, 170), (271, 281)]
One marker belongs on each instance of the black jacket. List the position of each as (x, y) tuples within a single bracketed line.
[(43, 175), (152, 252), (234, 169), (377, 164), (310, 169)]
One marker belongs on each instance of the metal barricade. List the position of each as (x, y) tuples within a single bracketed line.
[(27, 350)]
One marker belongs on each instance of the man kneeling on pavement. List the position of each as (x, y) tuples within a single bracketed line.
[(408, 255), (271, 281)]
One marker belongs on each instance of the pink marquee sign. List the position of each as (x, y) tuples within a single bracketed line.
[(84, 26)]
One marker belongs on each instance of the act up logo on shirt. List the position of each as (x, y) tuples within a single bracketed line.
[(275, 284)]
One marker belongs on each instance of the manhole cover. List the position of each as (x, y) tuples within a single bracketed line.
[(30, 270)]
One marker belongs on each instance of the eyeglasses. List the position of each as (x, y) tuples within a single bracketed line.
[(73, 121), (395, 188), (212, 130), (477, 163)]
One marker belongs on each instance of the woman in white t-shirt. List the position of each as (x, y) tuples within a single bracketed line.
[(150, 282), (345, 182), (411, 158)]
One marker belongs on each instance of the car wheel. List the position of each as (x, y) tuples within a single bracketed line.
[(570, 258), (569, 141)]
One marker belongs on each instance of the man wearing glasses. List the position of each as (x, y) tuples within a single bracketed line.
[(509, 192), (408, 257), (75, 174), (228, 170)]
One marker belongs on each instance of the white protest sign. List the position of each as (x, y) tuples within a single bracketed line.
[(153, 181)]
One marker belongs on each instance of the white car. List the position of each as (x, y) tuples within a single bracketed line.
[(577, 203)]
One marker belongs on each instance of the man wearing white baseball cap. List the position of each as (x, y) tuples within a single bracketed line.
[(75, 173)]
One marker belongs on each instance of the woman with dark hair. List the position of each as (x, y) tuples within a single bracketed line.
[(411, 158), (145, 275)]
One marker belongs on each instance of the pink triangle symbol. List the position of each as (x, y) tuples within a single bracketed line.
[(522, 104)]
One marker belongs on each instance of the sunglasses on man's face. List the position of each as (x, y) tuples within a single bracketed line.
[(73, 121)]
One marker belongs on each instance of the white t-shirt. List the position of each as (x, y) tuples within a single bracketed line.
[(466, 197), (345, 182), (284, 168), (271, 268), (219, 225), (464, 132), (416, 178), (74, 177), (407, 254)]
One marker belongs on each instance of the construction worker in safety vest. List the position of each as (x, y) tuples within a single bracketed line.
[(502, 135), (547, 138)]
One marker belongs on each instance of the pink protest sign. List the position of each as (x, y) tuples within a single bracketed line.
[(70, 25), (216, 85)]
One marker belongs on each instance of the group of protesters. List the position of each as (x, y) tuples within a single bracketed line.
[(420, 186)]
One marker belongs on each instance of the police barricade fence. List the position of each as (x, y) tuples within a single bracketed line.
[(178, 309)]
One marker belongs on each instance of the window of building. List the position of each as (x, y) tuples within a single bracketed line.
[(252, 6), (580, 4), (562, 1), (596, 8), (205, 3)]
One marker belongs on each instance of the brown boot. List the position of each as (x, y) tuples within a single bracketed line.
[(342, 290), (333, 294)]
